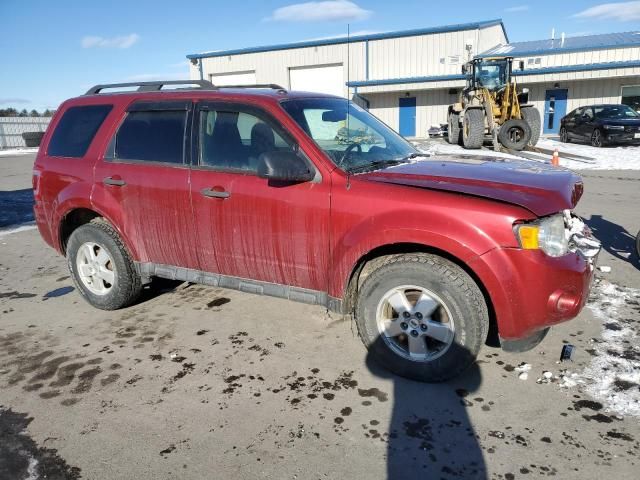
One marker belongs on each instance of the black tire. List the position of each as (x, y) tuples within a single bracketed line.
[(453, 135), (514, 134), (462, 298), (531, 115), (564, 135), (473, 129), (596, 138), (127, 284)]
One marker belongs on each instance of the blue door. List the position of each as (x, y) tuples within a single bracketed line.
[(555, 107), (408, 116)]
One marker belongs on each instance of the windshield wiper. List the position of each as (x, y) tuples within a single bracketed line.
[(375, 165), (415, 155)]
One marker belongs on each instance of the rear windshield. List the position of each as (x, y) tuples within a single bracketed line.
[(76, 130)]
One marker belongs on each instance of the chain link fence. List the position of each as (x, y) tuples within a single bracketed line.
[(12, 128)]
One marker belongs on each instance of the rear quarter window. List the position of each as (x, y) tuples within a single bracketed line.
[(76, 130)]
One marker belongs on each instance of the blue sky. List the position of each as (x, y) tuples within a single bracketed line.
[(56, 49)]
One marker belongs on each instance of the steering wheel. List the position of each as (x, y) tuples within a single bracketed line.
[(348, 150)]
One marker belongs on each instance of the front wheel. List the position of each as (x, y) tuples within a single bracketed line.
[(101, 267), (473, 128), (596, 138), (564, 135), (422, 317)]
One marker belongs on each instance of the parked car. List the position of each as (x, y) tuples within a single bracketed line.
[(255, 190), (601, 125), (438, 130)]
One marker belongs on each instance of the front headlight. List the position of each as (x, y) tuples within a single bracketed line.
[(613, 127), (547, 234)]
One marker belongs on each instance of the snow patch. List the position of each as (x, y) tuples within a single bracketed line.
[(613, 376), (17, 151), (21, 228), (607, 158)]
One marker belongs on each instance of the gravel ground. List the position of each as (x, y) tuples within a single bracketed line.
[(198, 382)]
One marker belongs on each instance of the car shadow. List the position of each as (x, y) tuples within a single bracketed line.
[(615, 239), (430, 434), (16, 207)]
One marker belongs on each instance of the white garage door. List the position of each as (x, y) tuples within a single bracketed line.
[(234, 78), (323, 79)]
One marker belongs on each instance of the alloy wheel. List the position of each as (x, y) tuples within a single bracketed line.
[(596, 138), (95, 268), (415, 323)]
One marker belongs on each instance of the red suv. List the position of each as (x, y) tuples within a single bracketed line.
[(311, 198)]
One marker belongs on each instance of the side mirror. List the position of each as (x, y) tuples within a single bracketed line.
[(284, 166)]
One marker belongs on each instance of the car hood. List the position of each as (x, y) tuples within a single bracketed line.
[(538, 187)]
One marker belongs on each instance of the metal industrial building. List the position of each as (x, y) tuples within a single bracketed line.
[(408, 78)]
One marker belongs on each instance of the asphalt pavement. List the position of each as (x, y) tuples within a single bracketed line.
[(199, 382)]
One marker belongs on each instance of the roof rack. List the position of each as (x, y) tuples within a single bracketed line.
[(272, 86), (152, 86)]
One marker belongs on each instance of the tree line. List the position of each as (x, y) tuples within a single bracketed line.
[(12, 112)]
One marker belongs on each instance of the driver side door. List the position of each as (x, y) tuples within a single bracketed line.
[(248, 227)]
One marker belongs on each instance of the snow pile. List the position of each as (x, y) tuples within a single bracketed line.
[(613, 376), (607, 158), (17, 151)]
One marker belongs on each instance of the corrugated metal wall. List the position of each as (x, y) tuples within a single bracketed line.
[(12, 128), (431, 108), (582, 58), (432, 104), (432, 54)]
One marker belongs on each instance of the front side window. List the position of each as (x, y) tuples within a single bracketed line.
[(76, 130), (154, 136), (352, 137), (234, 140)]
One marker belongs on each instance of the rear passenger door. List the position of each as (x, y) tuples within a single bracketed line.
[(144, 180), (248, 227)]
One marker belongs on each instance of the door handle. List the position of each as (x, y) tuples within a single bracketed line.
[(114, 181), (209, 192)]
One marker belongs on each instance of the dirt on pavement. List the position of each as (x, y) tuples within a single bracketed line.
[(199, 382)]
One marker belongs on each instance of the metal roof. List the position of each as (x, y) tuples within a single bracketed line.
[(517, 73), (355, 38), (570, 44)]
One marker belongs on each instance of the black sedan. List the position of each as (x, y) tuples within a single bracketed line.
[(601, 125)]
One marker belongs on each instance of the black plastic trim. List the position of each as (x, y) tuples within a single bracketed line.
[(296, 294)]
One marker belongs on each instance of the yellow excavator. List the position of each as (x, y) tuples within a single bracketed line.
[(490, 105)]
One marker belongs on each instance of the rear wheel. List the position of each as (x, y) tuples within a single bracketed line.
[(101, 267), (564, 135), (596, 138), (531, 115), (453, 135), (515, 134), (473, 128), (422, 317)]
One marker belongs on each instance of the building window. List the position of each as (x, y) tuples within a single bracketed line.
[(631, 97)]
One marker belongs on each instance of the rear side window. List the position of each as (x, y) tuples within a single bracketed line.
[(76, 130), (153, 136)]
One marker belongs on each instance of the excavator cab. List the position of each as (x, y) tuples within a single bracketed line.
[(492, 74)]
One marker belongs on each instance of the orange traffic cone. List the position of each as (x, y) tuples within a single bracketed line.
[(555, 159)]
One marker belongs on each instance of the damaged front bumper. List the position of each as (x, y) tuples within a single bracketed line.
[(581, 239)]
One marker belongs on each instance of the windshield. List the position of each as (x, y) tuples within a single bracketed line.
[(491, 75), (616, 111), (352, 137)]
